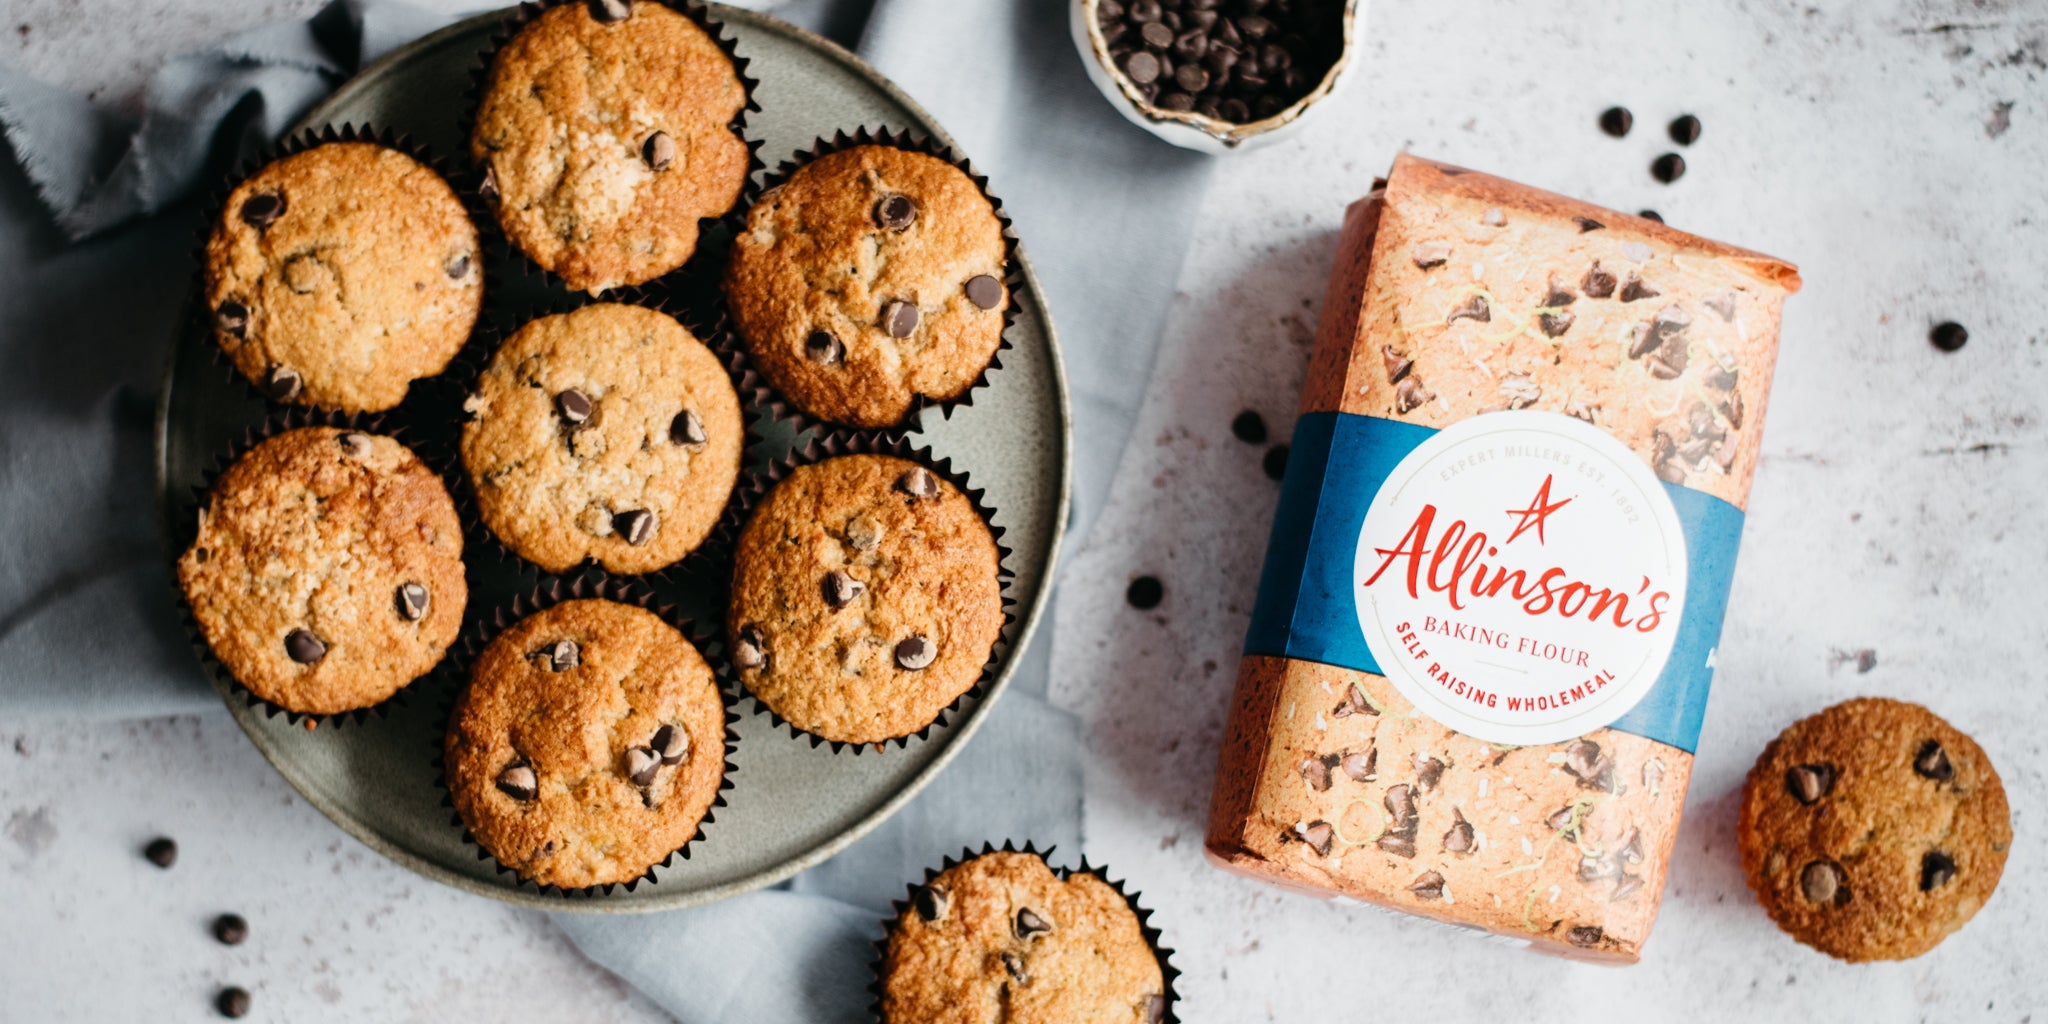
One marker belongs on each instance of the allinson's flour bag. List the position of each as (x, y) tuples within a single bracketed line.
[(1485, 630)]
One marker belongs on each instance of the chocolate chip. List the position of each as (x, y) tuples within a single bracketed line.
[(840, 589), (1428, 885), (1821, 882), (824, 349), (1397, 364), (519, 781), (230, 929), (303, 647), (1155, 1009), (609, 12), (1249, 427), (1642, 341), (1722, 304), (1144, 11), (635, 525), (915, 652), (748, 649), (1275, 462), (1559, 294), (687, 430), (1234, 110), (1361, 767), (1400, 804), (1668, 168), (1947, 336), (161, 851), (1810, 782), (232, 319), (1625, 886), (1598, 283), (642, 765), (1633, 288), (1192, 45), (1318, 835), (1109, 11), (488, 188), (1177, 101), (1030, 924), (1461, 838), (1191, 77), (232, 1001), (1399, 844), (1651, 215), (899, 318), (262, 209), (1555, 324), (659, 151), (895, 212), (282, 383), (1616, 121), (354, 445), (984, 291), (1013, 965), (412, 601), (1156, 35), (1584, 936), (1142, 67), (573, 405), (1474, 308), (1936, 870), (1593, 869), (1428, 772), (1430, 254), (1410, 395), (1685, 129), (563, 655), (931, 901), (1561, 820), (1316, 772), (918, 482), (1145, 593), (457, 268), (1932, 762), (1587, 224)]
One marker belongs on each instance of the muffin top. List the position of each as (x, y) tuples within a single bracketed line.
[(589, 745), (873, 276), (865, 598), (1873, 830), (605, 140), (327, 573), (339, 275), (1000, 937), (608, 433)]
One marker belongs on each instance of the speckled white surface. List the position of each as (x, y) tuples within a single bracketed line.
[(1895, 512)]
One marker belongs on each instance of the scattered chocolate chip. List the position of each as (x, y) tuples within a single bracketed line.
[(1587, 224), (1318, 835), (1633, 288), (1461, 838), (458, 267), (1396, 363), (1474, 308), (1176, 101), (1249, 427), (1723, 305), (1410, 395), (232, 1001), (230, 929), (1616, 121), (1936, 870), (659, 151), (1145, 593), (895, 212), (1651, 215), (1013, 965), (412, 601), (573, 405), (1275, 462), (1582, 758), (984, 291), (1361, 767), (1156, 35), (161, 851), (1428, 885), (642, 765), (1625, 886), (1142, 67), (1316, 772), (1593, 869), (609, 12), (262, 209), (748, 649), (1584, 936), (1598, 283), (824, 349), (636, 526), (1561, 820), (1399, 844), (232, 319), (1430, 255), (1191, 77), (282, 383), (931, 901), (1821, 882), (1947, 336), (899, 318), (840, 589), (1400, 804), (1642, 341), (519, 781), (1555, 324), (1668, 168), (687, 430), (563, 655), (919, 482), (915, 652), (1932, 762), (1428, 772), (1810, 782), (303, 647), (1030, 924), (354, 445), (1685, 129)]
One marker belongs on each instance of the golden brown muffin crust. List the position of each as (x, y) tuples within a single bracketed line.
[(575, 727), (923, 567), (606, 143), (978, 958), (816, 256), (315, 531), (339, 275)]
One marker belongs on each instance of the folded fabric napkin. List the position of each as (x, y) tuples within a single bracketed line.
[(95, 233)]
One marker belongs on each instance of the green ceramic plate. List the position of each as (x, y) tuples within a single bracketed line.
[(792, 805)]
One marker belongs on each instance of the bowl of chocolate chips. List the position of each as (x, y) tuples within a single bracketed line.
[(1216, 75)]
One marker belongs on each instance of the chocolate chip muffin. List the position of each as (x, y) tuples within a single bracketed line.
[(339, 275), (609, 433), (870, 278), (1000, 937), (327, 572), (589, 745), (605, 135), (1873, 830), (866, 598)]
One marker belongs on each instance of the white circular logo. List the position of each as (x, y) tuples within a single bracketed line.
[(1520, 577)]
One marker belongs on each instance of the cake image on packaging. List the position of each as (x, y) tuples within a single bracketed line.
[(1485, 630)]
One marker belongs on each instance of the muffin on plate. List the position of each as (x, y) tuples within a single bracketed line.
[(589, 746), (866, 598), (873, 277), (327, 571), (340, 274), (605, 133), (610, 434), (1001, 937)]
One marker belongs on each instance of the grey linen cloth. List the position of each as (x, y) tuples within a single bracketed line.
[(96, 228)]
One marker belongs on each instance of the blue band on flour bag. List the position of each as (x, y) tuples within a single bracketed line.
[(1307, 606)]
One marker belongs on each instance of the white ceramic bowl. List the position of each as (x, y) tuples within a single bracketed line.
[(1191, 130)]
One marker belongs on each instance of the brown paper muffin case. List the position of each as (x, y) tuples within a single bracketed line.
[(550, 592)]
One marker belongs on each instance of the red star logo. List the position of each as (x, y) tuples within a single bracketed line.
[(1540, 507)]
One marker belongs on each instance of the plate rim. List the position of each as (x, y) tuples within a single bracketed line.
[(961, 732)]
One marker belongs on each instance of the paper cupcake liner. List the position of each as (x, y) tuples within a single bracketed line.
[(186, 527), (465, 376), (708, 228), (202, 316), (478, 636), (1013, 275), (1167, 972), (755, 489)]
